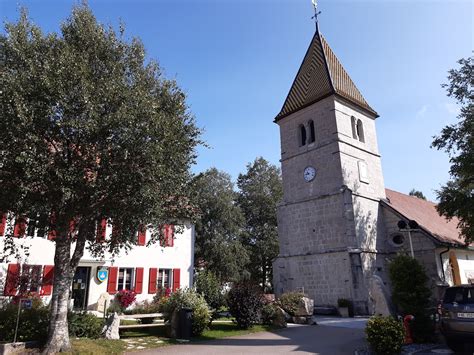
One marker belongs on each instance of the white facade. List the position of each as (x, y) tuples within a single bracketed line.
[(170, 266)]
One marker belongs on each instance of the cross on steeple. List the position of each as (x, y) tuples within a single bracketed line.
[(316, 13)]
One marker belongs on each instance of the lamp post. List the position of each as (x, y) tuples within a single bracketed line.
[(412, 226)]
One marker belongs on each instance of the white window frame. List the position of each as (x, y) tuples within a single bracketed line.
[(128, 275)]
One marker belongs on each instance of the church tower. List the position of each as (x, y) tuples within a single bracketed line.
[(329, 219)]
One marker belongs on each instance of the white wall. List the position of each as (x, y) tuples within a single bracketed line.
[(180, 256)]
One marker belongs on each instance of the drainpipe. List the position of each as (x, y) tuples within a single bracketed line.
[(441, 260)]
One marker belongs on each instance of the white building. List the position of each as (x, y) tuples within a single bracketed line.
[(144, 269)]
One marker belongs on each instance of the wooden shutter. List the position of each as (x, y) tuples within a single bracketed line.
[(13, 277), (47, 281), (141, 235), (139, 280), (101, 230), (3, 223), (152, 276), (176, 279), (168, 232), (52, 227), (112, 281), (20, 227)]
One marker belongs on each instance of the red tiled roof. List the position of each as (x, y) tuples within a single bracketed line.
[(425, 214)]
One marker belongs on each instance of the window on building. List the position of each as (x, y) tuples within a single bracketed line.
[(167, 239), (353, 125), (164, 280), (30, 279), (126, 279), (302, 135), (312, 136), (397, 240), (360, 131)]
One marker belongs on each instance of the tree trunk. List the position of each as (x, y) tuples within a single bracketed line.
[(58, 336), (64, 268)]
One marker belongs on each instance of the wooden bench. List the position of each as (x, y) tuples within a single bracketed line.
[(141, 316)]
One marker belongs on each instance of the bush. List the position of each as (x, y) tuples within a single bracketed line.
[(188, 298), (411, 295), (385, 335), (290, 301), (269, 313), (84, 325), (144, 308), (208, 285), (245, 304), (33, 323)]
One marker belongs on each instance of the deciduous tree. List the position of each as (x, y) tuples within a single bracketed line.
[(219, 226), (90, 129), (457, 196), (260, 192)]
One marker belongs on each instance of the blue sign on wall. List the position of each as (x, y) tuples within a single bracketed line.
[(102, 274)]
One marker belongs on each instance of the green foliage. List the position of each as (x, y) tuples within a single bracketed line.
[(456, 197), (245, 302), (84, 325), (144, 307), (417, 193), (290, 301), (411, 294), (218, 241), (90, 129), (269, 313), (188, 298), (385, 335), (208, 285), (260, 192), (33, 323)]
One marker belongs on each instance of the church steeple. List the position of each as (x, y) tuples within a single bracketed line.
[(320, 75)]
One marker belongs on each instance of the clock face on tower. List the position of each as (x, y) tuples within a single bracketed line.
[(309, 173)]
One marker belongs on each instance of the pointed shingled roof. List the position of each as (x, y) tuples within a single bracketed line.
[(320, 75)]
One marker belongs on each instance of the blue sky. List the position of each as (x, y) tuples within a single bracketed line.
[(236, 60)]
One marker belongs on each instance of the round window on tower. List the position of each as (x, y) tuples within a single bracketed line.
[(397, 240)]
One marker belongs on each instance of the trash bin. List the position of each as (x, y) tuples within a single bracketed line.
[(185, 323)]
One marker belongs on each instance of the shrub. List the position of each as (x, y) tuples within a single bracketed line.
[(411, 294), (385, 335), (290, 301), (125, 298), (84, 325), (188, 298), (144, 308), (269, 313), (208, 285), (245, 304), (33, 323)]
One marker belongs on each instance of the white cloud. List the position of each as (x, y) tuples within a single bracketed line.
[(421, 113)]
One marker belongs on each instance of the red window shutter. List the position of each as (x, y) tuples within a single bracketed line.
[(101, 230), (3, 223), (176, 279), (112, 282), (20, 227), (152, 280), (72, 226), (52, 227), (47, 282), (12, 281), (139, 280), (168, 235), (141, 235)]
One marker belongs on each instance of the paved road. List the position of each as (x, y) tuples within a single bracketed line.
[(335, 339)]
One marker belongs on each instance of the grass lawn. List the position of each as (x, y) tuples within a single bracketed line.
[(144, 338)]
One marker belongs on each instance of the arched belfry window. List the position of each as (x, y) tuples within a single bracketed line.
[(360, 131), (357, 129), (354, 130), (302, 135), (312, 136)]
